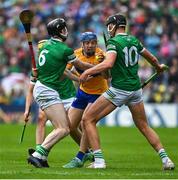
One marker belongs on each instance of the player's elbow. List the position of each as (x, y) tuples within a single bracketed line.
[(108, 66)]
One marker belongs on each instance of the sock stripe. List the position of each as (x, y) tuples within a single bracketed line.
[(98, 155), (42, 151), (163, 154)]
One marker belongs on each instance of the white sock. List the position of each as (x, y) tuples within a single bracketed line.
[(98, 156), (163, 155), (44, 158), (37, 155)]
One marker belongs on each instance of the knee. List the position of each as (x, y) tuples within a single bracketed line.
[(63, 131), (66, 131), (41, 121), (41, 116), (86, 120)]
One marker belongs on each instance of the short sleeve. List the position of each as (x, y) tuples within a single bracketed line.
[(70, 55), (111, 47), (140, 47)]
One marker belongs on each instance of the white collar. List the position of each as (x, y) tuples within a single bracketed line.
[(56, 39), (121, 34)]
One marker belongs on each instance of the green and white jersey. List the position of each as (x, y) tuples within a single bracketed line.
[(65, 88), (125, 69), (52, 61)]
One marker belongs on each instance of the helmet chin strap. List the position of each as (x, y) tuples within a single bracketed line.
[(63, 36), (110, 30)]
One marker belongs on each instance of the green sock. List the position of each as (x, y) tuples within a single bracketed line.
[(38, 146), (41, 150)]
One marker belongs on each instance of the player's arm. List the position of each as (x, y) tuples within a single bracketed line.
[(72, 59), (29, 98), (70, 75), (74, 71), (101, 56), (152, 60), (103, 66), (81, 65)]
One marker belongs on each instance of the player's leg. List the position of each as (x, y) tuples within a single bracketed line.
[(75, 113), (99, 109), (139, 117), (84, 154), (61, 129), (49, 101), (75, 116), (58, 117), (40, 130), (84, 144)]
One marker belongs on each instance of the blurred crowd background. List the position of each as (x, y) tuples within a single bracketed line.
[(154, 22)]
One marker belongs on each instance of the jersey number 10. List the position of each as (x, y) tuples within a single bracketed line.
[(131, 56)]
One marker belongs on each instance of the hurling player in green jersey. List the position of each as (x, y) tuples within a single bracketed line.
[(67, 94), (122, 57), (52, 61)]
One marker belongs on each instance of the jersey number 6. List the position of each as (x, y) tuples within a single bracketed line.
[(42, 58)]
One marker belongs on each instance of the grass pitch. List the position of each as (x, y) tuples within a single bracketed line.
[(127, 153)]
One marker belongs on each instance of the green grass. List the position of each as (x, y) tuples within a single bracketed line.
[(127, 153)]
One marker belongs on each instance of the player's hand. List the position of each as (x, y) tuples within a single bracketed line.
[(100, 57), (161, 68), (84, 77), (26, 116)]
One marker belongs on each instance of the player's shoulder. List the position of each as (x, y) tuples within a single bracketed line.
[(112, 40), (132, 37), (78, 51), (41, 43), (99, 50), (58, 43)]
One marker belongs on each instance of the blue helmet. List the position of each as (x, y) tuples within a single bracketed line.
[(87, 36)]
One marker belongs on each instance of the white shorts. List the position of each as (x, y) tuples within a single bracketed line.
[(67, 102), (45, 96), (120, 97)]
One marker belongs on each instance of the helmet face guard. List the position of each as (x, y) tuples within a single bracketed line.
[(58, 28), (117, 20)]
